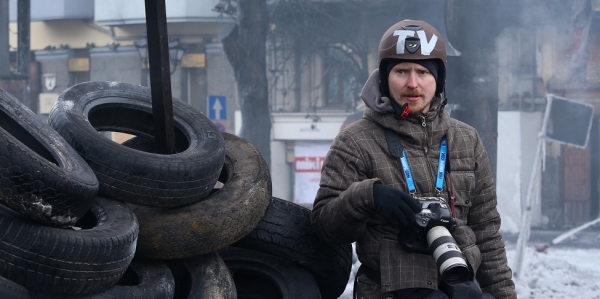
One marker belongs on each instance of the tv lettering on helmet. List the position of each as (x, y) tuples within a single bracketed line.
[(412, 40), (406, 40)]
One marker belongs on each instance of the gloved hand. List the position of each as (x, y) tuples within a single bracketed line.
[(396, 207)]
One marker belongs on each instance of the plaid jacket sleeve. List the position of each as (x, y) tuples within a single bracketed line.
[(344, 200), (494, 274)]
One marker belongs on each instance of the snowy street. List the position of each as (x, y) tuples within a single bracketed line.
[(560, 273)]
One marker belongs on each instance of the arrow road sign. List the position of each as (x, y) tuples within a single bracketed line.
[(217, 107)]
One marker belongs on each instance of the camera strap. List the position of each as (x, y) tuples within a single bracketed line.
[(439, 182), (397, 151)]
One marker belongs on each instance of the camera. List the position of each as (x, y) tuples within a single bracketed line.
[(431, 235)]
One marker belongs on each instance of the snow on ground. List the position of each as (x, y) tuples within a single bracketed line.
[(561, 273)]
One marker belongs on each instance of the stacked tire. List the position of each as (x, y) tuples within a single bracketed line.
[(58, 236), (86, 217)]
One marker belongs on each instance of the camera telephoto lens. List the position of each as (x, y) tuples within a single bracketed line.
[(448, 257)]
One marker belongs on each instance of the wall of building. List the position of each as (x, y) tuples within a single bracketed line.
[(517, 143), (282, 169), (73, 33), (121, 64)]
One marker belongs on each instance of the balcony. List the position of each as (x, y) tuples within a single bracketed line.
[(44, 10), (302, 126), (132, 12)]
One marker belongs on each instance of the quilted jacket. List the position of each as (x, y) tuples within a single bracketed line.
[(344, 211)]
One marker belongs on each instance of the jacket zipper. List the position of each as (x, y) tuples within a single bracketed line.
[(426, 148)]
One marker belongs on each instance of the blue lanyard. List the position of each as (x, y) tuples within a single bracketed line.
[(439, 184), (407, 173)]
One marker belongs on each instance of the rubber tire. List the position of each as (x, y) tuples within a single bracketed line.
[(203, 276), (144, 279), (41, 176), (286, 232), (126, 174), (224, 217), (69, 261), (11, 290), (259, 275)]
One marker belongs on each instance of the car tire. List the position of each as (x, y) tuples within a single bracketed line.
[(186, 177), (41, 176), (259, 275), (203, 276), (286, 232), (86, 259), (143, 279), (222, 218), (9, 289)]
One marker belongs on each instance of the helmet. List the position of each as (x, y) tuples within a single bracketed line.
[(412, 40)]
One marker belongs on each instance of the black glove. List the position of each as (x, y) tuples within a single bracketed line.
[(396, 207)]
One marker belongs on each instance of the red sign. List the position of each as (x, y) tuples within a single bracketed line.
[(308, 164), (220, 126)]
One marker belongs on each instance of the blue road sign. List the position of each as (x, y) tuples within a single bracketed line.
[(217, 107)]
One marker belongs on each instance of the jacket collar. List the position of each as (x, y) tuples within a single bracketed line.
[(371, 95), (410, 130), (380, 111)]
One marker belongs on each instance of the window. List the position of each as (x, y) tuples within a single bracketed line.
[(339, 80)]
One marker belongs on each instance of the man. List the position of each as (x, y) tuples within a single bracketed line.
[(381, 168)]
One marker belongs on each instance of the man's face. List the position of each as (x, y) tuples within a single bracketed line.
[(412, 83)]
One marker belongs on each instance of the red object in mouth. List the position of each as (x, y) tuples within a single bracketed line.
[(405, 112)]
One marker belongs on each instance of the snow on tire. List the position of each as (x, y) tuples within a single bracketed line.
[(41, 176)]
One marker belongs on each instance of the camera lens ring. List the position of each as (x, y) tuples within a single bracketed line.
[(455, 272), (450, 262)]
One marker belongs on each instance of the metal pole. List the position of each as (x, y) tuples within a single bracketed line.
[(160, 76), (23, 51), (526, 213)]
